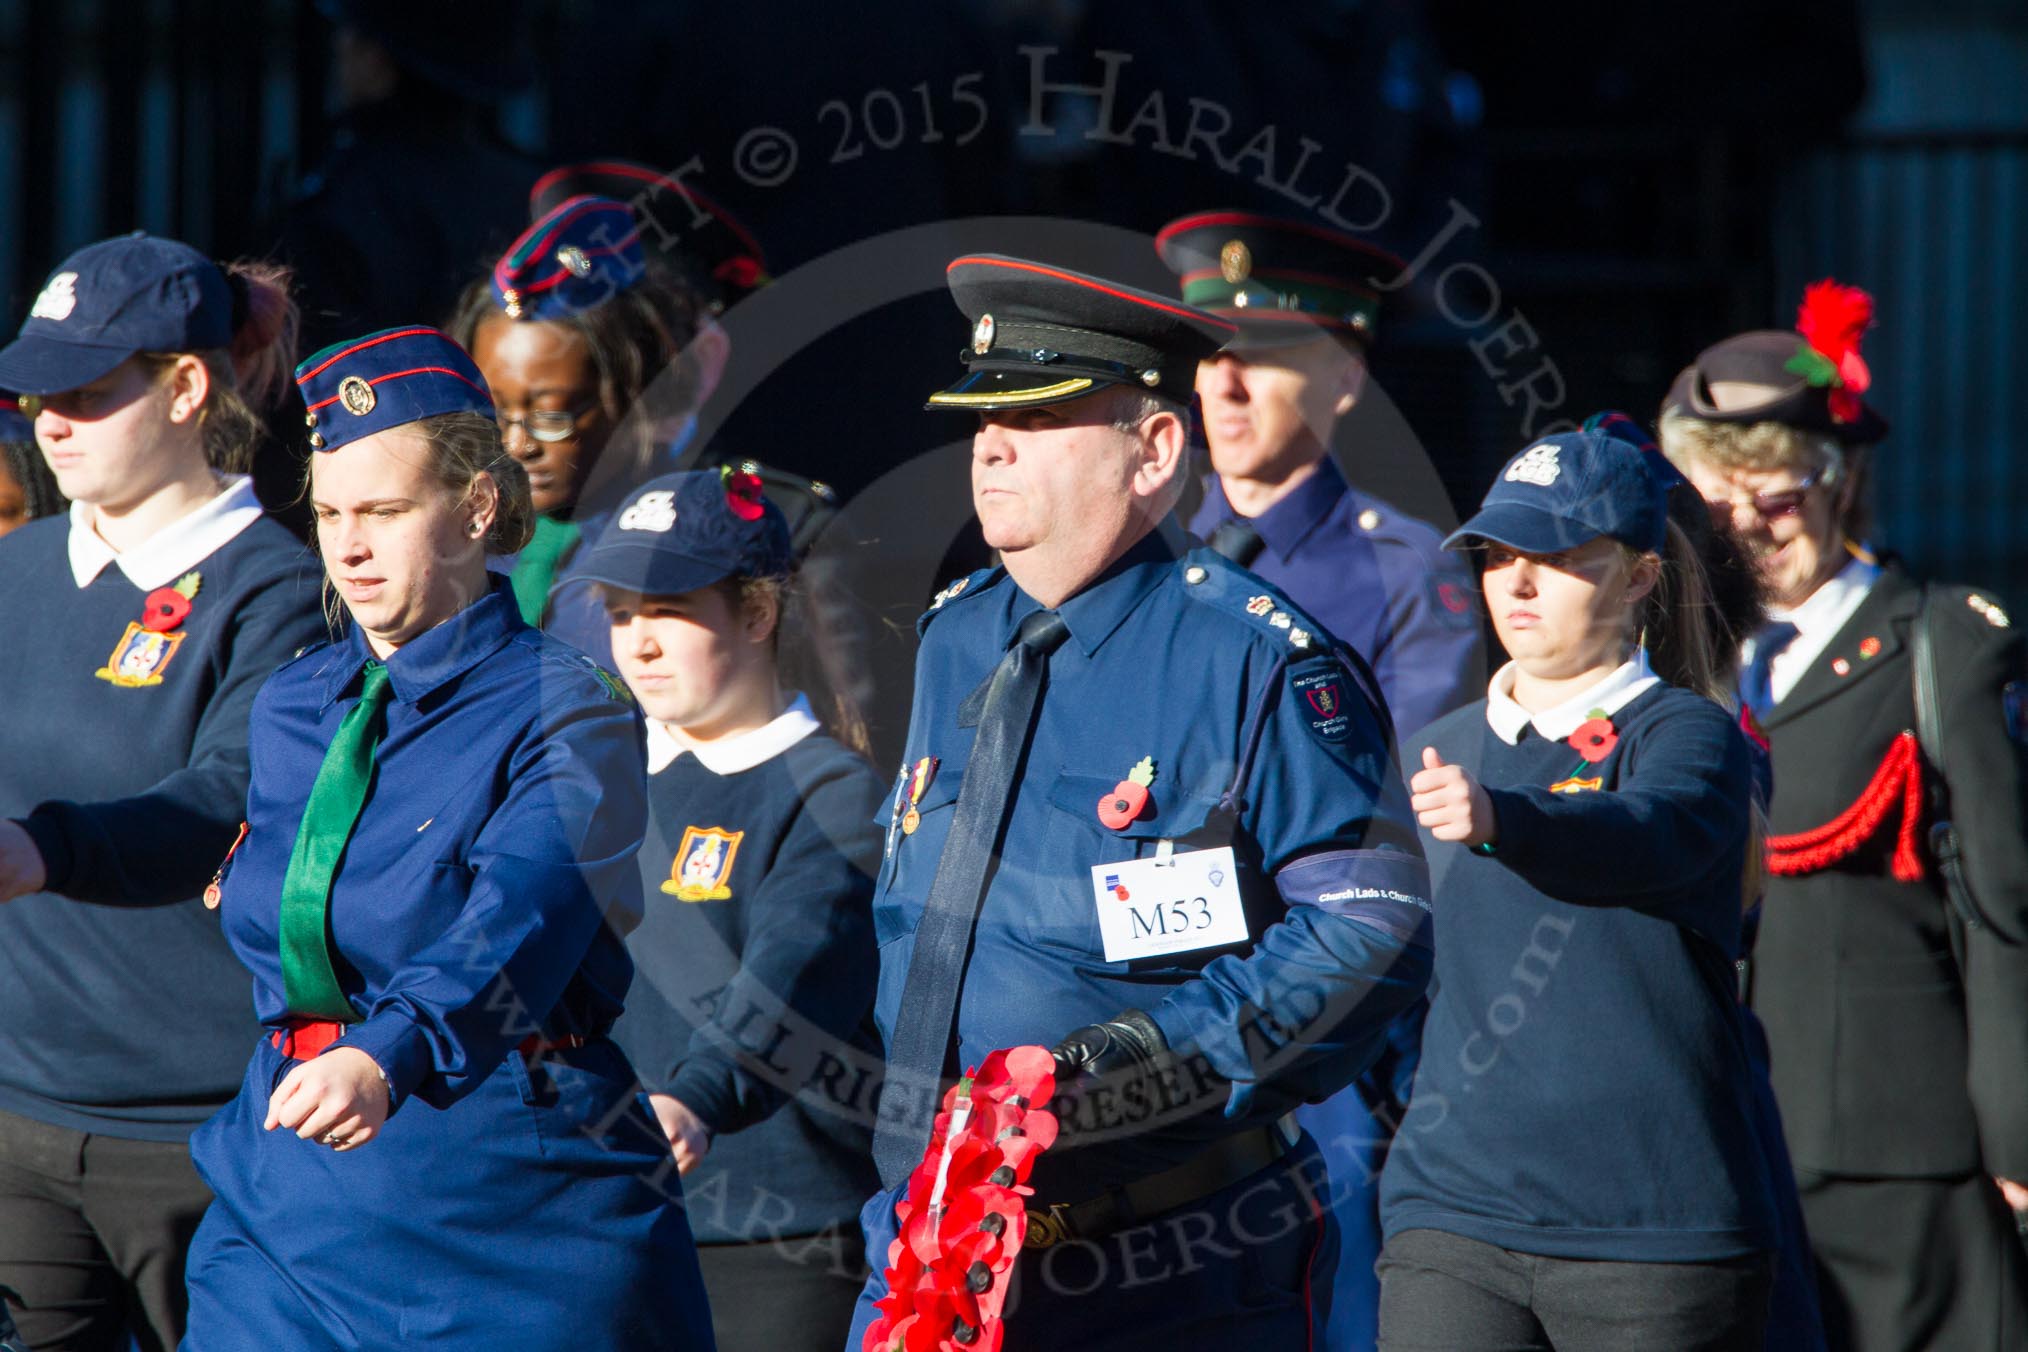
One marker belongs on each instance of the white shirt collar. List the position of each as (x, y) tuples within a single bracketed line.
[(1829, 606), (740, 752), (1615, 692), (171, 551)]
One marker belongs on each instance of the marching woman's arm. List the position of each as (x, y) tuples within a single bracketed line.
[(1681, 804), (546, 868), (159, 847)]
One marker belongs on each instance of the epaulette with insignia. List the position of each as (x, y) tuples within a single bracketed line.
[(1988, 610), (1224, 585), (966, 587)]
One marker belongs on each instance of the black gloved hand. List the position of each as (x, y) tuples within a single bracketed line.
[(1129, 1043)]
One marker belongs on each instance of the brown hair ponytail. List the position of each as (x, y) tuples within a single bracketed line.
[(250, 377)]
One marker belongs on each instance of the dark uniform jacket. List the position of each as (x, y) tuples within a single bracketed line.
[(1899, 1034)]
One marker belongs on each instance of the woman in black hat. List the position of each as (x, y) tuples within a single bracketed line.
[(1578, 1168), (1890, 971), (137, 631)]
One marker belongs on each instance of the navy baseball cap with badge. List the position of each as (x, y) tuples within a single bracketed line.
[(1045, 335), (354, 389), (110, 300), (1281, 281), (680, 532), (1571, 488)]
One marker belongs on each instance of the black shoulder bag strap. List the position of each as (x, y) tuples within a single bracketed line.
[(1943, 834)]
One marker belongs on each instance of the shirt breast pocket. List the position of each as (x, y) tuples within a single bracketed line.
[(916, 836), (1076, 840)]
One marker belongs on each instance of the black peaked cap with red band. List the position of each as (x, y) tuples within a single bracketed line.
[(1042, 334), (689, 231), (1282, 281)]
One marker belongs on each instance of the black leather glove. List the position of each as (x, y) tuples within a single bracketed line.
[(1127, 1044)]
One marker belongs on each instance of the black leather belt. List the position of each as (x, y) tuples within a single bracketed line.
[(1204, 1173)]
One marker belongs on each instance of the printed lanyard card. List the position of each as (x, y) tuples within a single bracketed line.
[(1173, 903)]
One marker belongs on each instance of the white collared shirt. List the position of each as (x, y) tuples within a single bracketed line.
[(171, 551), (1817, 620), (741, 751), (1615, 692)]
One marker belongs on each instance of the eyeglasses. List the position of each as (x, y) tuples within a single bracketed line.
[(1768, 506), (547, 425)]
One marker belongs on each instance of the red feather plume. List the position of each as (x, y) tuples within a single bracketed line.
[(1832, 319)]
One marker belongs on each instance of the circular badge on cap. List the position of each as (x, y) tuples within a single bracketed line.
[(1235, 261), (573, 258), (357, 396), (982, 335)]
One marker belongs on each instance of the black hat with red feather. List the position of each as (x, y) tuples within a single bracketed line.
[(1811, 377)]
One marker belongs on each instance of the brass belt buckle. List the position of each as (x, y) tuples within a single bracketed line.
[(1046, 1228)]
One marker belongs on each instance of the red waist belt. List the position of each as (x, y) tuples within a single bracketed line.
[(1896, 787), (305, 1038)]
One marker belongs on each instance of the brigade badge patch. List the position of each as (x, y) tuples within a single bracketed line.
[(703, 864), (139, 656), (149, 643), (1323, 703)]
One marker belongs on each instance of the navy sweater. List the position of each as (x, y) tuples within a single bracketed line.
[(128, 1015), (752, 1007), (1584, 1088)]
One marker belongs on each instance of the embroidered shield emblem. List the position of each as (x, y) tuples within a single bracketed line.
[(139, 656), (703, 864)]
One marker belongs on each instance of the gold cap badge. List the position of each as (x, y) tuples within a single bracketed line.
[(982, 335), (573, 258), (1235, 261), (357, 396)]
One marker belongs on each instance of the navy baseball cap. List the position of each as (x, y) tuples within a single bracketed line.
[(1571, 488), (684, 531), (109, 300), (387, 379)]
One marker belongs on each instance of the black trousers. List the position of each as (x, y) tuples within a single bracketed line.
[(1444, 1293), (786, 1295), (1916, 1262), (93, 1233)]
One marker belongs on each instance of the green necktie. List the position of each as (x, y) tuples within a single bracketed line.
[(536, 565), (308, 977)]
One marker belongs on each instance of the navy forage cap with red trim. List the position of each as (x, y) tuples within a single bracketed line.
[(693, 233), (354, 389), (1283, 281), (1810, 377), (1043, 334), (577, 255)]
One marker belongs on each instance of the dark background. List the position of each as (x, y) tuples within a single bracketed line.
[(1645, 180)]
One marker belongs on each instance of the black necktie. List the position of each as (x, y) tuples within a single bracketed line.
[(1236, 540), (943, 938), (1756, 683)]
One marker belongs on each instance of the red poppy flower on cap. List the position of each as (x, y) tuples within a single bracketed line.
[(743, 495)]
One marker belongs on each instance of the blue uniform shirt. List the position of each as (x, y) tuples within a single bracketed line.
[(471, 907), (1260, 739), (1380, 581)]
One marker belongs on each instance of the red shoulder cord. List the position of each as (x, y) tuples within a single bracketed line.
[(1899, 776)]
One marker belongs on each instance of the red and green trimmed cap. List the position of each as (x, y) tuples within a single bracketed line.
[(691, 232), (1042, 334), (1281, 280), (387, 379), (577, 255)]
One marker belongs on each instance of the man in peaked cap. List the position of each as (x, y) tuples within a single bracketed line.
[(1109, 722), (1277, 504), (1890, 971)]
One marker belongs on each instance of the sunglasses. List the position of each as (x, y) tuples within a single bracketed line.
[(1768, 506)]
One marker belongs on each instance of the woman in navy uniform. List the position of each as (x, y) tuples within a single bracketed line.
[(436, 1142), (1579, 1166), (748, 1020), (589, 350), (137, 630)]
